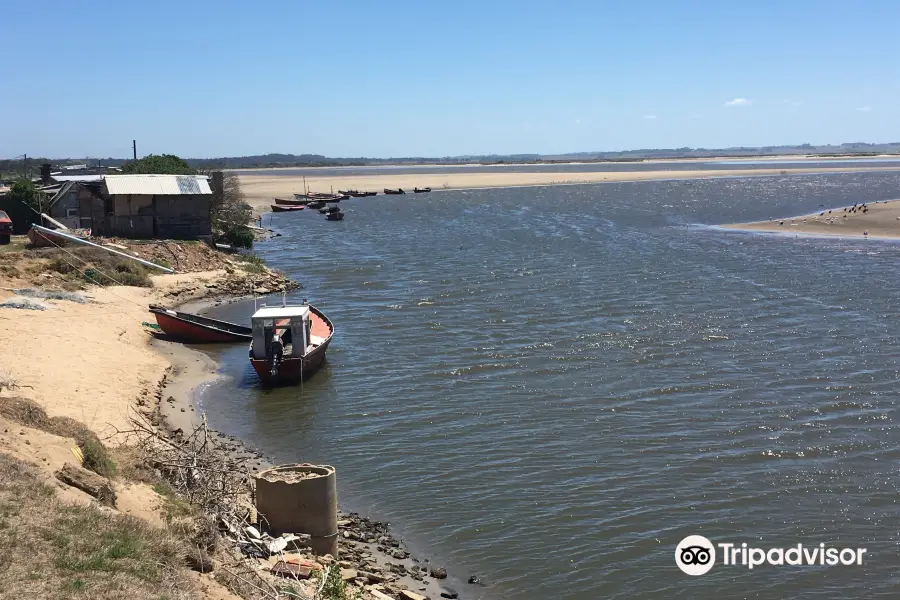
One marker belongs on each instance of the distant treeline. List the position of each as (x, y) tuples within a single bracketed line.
[(15, 167)]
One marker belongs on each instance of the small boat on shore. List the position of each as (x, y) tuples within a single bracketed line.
[(194, 329), (288, 343), (422, 190), (394, 192), (286, 208)]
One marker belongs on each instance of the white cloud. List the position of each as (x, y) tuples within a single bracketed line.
[(739, 102), (864, 108), (649, 116)]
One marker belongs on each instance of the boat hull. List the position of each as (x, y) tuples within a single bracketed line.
[(294, 370), (207, 331), (291, 370), (286, 208)]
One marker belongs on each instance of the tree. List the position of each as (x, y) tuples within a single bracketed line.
[(229, 211), (161, 164), (23, 205)]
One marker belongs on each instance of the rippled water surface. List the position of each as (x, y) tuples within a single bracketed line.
[(550, 387)]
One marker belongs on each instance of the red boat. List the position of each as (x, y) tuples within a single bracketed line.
[(289, 343), (286, 208), (194, 329)]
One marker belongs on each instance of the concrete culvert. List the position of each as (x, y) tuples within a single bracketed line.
[(300, 499)]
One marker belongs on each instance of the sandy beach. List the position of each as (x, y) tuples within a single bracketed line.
[(879, 220), (260, 190)]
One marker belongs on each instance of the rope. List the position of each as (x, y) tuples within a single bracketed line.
[(90, 279)]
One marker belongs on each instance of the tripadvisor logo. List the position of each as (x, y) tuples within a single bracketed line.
[(696, 555)]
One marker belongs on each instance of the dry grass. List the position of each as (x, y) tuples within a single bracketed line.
[(97, 266), (30, 414), (52, 550)]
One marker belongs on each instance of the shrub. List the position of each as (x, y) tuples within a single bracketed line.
[(239, 237)]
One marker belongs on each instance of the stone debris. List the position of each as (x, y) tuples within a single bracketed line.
[(408, 595), (291, 570)]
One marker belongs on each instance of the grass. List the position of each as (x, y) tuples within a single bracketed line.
[(97, 266), (28, 413), (251, 263), (17, 243), (52, 550)]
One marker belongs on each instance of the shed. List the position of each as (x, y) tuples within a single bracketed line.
[(152, 206)]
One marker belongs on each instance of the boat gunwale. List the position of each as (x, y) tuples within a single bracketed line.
[(214, 325)]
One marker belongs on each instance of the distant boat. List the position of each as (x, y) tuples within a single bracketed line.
[(370, 193), (335, 216), (316, 204), (349, 192), (422, 190), (329, 210), (397, 191), (284, 208), (194, 329), (292, 202)]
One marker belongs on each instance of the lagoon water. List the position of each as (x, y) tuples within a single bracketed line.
[(551, 387)]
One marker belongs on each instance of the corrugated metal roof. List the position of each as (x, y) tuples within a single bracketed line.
[(164, 185), (63, 178)]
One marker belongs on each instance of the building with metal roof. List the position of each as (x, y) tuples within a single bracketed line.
[(167, 185)]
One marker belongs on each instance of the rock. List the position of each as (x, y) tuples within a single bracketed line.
[(474, 580), (348, 574), (327, 559), (408, 595), (291, 570), (398, 554), (438, 573), (198, 560), (345, 564), (88, 482), (378, 595), (262, 291), (448, 593), (372, 576)]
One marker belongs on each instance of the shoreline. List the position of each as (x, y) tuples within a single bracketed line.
[(671, 160), (879, 220), (261, 190), (179, 405)]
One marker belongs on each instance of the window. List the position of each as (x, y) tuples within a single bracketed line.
[(71, 212)]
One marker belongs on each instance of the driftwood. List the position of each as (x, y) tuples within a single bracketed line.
[(88, 482), (210, 477)]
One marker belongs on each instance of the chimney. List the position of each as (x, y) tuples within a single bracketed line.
[(45, 173)]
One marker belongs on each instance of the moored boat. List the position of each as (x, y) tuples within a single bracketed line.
[(289, 202), (289, 343), (316, 204), (194, 329), (370, 194), (335, 216), (422, 190), (397, 191), (286, 208)]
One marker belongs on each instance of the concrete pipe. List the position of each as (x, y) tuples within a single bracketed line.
[(300, 499)]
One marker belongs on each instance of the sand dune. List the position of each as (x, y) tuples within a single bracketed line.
[(260, 190), (881, 220)]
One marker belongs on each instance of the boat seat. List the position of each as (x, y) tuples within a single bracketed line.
[(316, 340)]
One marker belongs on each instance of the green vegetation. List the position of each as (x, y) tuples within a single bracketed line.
[(99, 267), (251, 263), (22, 204), (335, 587), (164, 164), (52, 550), (30, 414), (230, 213)]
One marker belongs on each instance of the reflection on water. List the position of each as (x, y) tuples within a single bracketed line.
[(551, 387)]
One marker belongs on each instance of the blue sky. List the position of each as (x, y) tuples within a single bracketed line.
[(437, 78)]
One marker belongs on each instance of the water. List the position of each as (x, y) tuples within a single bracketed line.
[(551, 387), (715, 165)]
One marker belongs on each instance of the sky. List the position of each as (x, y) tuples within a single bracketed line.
[(437, 78)]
